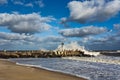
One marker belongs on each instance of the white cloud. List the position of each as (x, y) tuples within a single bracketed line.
[(116, 26), (29, 5), (87, 39), (54, 39), (18, 3), (22, 41), (25, 23), (16, 36), (82, 32), (40, 3), (93, 10), (3, 1)]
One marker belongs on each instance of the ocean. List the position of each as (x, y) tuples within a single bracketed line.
[(88, 69)]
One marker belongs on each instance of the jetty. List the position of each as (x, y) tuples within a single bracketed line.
[(44, 54), (59, 52), (39, 54)]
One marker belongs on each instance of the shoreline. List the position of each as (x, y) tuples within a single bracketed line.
[(12, 71), (52, 70), (92, 59)]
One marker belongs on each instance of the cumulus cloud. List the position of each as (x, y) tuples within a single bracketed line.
[(110, 41), (18, 2), (16, 36), (25, 23), (92, 10), (3, 2), (30, 38), (29, 5), (40, 3), (105, 43), (23, 3), (82, 32), (54, 39), (22, 41), (116, 26), (64, 22)]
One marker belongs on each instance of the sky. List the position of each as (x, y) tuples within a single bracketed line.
[(45, 24)]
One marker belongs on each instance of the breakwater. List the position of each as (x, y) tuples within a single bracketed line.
[(39, 53)]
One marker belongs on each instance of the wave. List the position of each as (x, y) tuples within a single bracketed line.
[(38, 66), (85, 69), (94, 59)]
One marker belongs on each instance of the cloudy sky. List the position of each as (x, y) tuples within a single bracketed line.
[(44, 24)]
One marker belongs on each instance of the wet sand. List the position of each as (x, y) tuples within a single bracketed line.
[(11, 71)]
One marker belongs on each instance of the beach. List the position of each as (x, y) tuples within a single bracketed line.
[(11, 71)]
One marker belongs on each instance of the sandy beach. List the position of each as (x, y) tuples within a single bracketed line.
[(11, 71)]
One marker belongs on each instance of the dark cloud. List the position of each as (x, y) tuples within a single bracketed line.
[(82, 32), (25, 23), (108, 42), (92, 10)]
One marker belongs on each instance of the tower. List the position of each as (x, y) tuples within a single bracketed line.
[(62, 44)]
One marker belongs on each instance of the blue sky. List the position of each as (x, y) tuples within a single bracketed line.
[(44, 24)]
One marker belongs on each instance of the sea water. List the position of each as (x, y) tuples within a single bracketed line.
[(87, 69)]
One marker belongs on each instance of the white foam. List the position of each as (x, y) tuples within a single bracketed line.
[(71, 46), (94, 59), (75, 46), (38, 66), (85, 69)]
